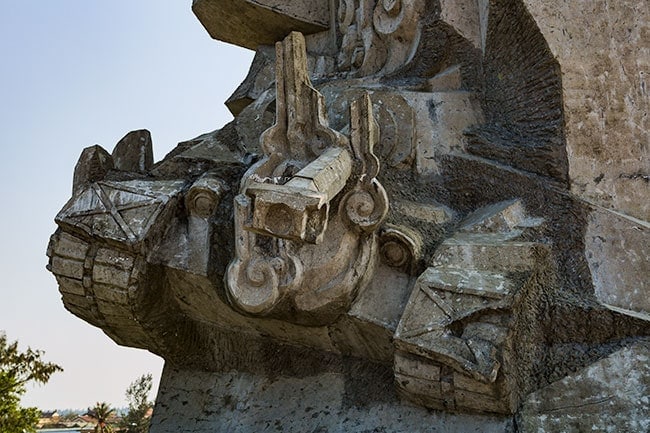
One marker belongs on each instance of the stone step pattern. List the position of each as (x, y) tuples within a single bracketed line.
[(451, 339)]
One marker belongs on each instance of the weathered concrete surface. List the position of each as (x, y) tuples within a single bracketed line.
[(603, 48), (618, 252), (281, 252), (325, 403), (251, 23), (612, 395), (468, 17)]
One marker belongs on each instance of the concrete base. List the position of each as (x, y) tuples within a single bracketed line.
[(202, 402)]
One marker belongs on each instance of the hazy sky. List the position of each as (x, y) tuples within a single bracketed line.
[(77, 73)]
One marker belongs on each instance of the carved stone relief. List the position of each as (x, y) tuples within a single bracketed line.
[(378, 37), (388, 214), (296, 252)]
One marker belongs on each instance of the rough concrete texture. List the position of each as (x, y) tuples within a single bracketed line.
[(606, 102), (612, 395), (436, 202), (242, 403)]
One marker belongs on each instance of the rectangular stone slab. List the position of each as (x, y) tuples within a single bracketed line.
[(250, 23)]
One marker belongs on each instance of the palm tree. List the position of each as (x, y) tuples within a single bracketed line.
[(101, 412)]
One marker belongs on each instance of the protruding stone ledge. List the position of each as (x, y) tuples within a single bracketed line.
[(251, 23)]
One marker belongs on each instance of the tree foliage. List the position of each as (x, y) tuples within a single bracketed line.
[(137, 394), (16, 370), (102, 412)]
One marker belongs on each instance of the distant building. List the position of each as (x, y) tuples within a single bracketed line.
[(46, 418)]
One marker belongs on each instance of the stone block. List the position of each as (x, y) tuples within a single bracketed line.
[(333, 402), (427, 213), (111, 275), (618, 252), (467, 17), (417, 387), (115, 313), (134, 152), (463, 382), (116, 258), (383, 301), (605, 96), (472, 401), (84, 302), (448, 80), (70, 285), (67, 267), (69, 246), (469, 281), (416, 367), (497, 217), (127, 212), (111, 294), (93, 165), (251, 23), (488, 252), (441, 119)]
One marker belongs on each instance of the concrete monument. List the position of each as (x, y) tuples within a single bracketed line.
[(426, 215)]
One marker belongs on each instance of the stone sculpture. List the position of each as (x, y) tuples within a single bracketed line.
[(390, 225)]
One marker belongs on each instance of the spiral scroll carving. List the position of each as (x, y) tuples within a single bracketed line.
[(204, 196), (379, 36), (366, 206), (401, 248), (255, 287)]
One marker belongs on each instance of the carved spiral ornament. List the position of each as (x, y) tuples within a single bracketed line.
[(204, 196), (365, 207), (400, 248), (261, 273), (257, 285), (202, 203), (395, 254)]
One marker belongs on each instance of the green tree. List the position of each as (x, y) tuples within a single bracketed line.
[(16, 370), (102, 412), (137, 394)]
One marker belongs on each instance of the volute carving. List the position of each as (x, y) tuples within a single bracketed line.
[(378, 37)]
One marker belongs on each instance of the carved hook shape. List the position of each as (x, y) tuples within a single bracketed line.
[(366, 206)]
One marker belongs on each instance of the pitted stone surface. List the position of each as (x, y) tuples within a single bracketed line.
[(612, 395), (605, 83), (241, 403)]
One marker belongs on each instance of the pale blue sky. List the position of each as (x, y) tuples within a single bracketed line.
[(76, 73)]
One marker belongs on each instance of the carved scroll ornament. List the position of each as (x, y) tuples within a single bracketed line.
[(378, 36), (296, 257)]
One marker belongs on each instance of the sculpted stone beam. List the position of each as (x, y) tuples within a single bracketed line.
[(250, 23)]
